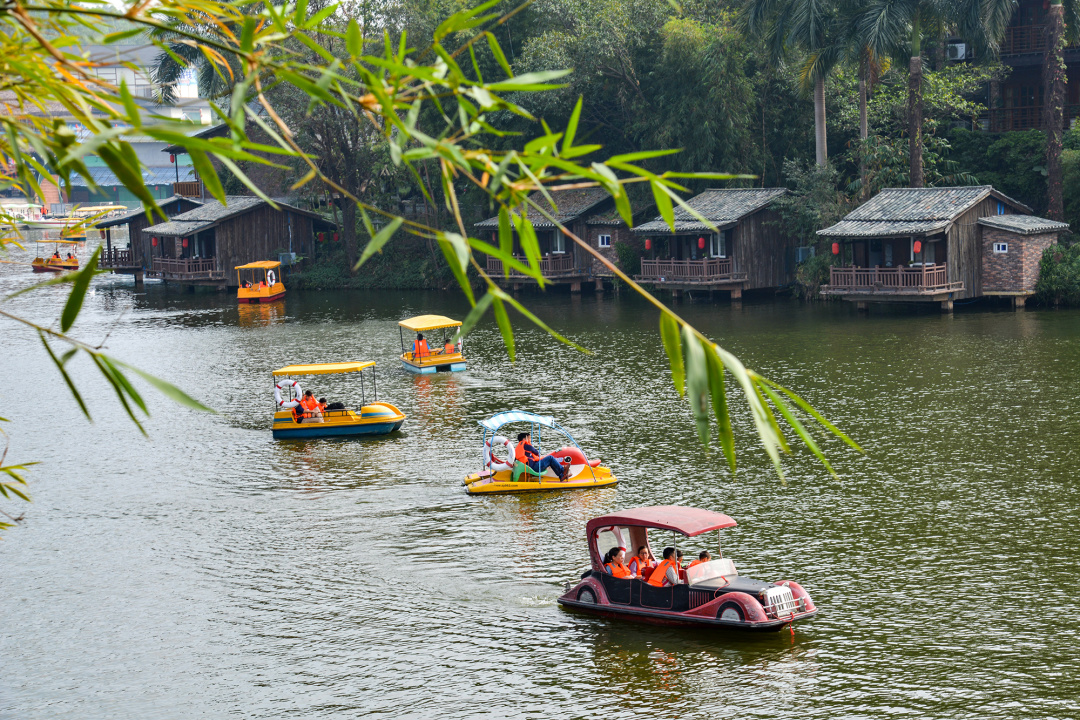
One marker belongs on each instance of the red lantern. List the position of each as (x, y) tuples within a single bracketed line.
[(153, 241), (918, 246), (836, 248), (648, 243), (172, 158), (335, 237), (701, 243), (185, 242), (322, 237)]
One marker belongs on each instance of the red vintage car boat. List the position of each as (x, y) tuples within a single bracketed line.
[(712, 593)]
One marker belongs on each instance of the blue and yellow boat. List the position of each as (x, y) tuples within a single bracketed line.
[(334, 419), (426, 355)]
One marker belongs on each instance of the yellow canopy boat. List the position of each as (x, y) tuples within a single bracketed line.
[(293, 420), (500, 477), (65, 256), (259, 282), (424, 357)]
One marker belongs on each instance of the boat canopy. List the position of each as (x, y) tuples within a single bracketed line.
[(324, 368), (420, 323), (495, 422), (259, 265), (685, 520), (95, 209), (48, 241)]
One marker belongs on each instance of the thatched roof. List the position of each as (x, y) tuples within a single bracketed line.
[(724, 207)]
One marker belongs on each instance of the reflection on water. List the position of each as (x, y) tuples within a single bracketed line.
[(211, 571)]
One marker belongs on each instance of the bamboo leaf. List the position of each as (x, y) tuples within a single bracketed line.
[(503, 321), (669, 334), (506, 237), (537, 321), (380, 239), (354, 42), (808, 409), (165, 388), (67, 378), (571, 127), (796, 425), (125, 384), (697, 382), (663, 203), (768, 437), (720, 405), (500, 58), (80, 283), (207, 174), (474, 316), (109, 375)]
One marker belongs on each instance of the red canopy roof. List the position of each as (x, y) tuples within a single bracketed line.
[(686, 520)]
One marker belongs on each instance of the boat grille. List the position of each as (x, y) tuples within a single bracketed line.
[(779, 602)]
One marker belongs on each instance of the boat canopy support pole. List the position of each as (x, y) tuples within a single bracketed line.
[(374, 386)]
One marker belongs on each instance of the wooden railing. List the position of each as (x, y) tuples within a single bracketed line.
[(550, 266), (188, 189), (187, 269), (116, 258), (687, 270), (1026, 118), (906, 280), (1024, 39)]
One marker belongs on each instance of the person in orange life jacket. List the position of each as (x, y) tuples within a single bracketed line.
[(614, 563), (526, 453), (702, 557), (448, 349), (312, 413), (642, 563), (666, 573), (420, 347)]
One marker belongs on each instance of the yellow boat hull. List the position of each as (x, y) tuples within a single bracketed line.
[(501, 483)]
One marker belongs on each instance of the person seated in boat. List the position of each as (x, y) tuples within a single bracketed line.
[(666, 573), (703, 557), (614, 563), (527, 454), (56, 255), (324, 406), (448, 349), (70, 256), (247, 284), (642, 563), (262, 285), (420, 347), (312, 413)]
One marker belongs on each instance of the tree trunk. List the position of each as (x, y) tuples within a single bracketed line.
[(864, 126), (348, 232), (1054, 107), (915, 173), (820, 144)]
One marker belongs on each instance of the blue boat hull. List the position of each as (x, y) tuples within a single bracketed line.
[(315, 431), (432, 369)]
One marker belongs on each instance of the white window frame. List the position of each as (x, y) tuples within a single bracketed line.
[(718, 244), (603, 241), (1001, 248), (558, 244)]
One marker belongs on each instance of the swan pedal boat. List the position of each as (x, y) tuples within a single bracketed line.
[(266, 271), (713, 594), (438, 360), (511, 477), (376, 418)]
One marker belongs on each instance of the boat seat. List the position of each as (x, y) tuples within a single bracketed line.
[(520, 468)]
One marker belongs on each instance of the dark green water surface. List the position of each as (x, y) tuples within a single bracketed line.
[(209, 571)]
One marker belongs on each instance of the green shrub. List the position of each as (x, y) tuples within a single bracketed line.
[(1059, 276), (628, 255), (1013, 162), (813, 273)]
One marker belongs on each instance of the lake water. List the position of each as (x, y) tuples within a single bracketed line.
[(209, 571)]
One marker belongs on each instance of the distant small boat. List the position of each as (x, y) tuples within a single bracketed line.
[(423, 358), (263, 284), (67, 260)]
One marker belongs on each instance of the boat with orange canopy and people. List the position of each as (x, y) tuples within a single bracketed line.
[(258, 282), (709, 594), (64, 258)]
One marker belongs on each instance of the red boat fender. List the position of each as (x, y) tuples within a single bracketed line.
[(798, 592), (751, 608)]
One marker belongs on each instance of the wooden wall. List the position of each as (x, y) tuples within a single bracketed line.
[(761, 250), (965, 245), (140, 244), (259, 235)]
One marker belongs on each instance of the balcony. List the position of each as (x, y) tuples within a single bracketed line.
[(188, 189), (707, 271), (115, 259), (187, 269), (550, 266), (1021, 39), (928, 279), (1027, 118)]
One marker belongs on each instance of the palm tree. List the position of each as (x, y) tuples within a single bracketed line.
[(799, 26), (1054, 106), (213, 80)]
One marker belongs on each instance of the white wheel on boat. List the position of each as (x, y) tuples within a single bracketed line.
[(587, 596), (730, 611)]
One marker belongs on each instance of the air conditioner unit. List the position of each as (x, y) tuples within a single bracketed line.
[(958, 51), (287, 258)]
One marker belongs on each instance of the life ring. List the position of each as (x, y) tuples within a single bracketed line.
[(295, 390), (271, 278), (491, 460)]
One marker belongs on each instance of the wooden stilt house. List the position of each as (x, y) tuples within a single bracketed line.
[(132, 255)]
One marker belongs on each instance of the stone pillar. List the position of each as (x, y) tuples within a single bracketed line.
[(676, 294), (575, 287), (1019, 302), (947, 306), (138, 279), (862, 306), (599, 285), (736, 293)]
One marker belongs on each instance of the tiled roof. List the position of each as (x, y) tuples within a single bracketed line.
[(610, 217), (721, 206), (105, 177), (1023, 224), (128, 217), (569, 206), (213, 213), (913, 211)]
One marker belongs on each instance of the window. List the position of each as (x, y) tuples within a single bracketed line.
[(718, 245), (1001, 208), (604, 240), (558, 243), (1001, 247)]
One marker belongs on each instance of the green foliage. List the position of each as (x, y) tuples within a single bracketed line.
[(1013, 162), (813, 202), (628, 254), (1070, 182), (813, 272), (1059, 276)]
